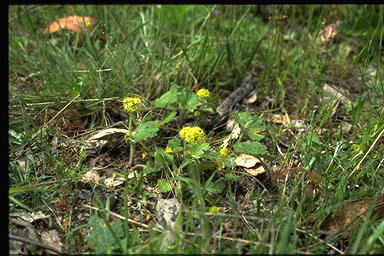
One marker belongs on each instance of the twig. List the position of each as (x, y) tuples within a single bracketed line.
[(54, 214), (64, 101), (87, 70), (37, 243)]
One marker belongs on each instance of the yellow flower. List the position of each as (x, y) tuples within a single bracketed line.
[(168, 150), (214, 209), (358, 148), (87, 24), (131, 104), (193, 135), (203, 93), (224, 152), (144, 155), (127, 137)]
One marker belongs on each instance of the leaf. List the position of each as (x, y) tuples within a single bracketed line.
[(71, 23), (253, 126), (188, 100), (344, 216), (106, 132), (101, 236), (91, 176), (246, 161), (252, 148), (216, 187), (197, 150), (259, 169), (164, 185), (162, 158), (175, 145), (252, 164), (167, 98), (147, 130), (169, 117)]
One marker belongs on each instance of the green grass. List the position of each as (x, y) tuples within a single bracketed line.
[(149, 50)]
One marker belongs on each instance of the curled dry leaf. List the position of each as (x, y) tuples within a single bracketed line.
[(252, 164), (115, 180), (94, 141), (252, 97), (247, 161), (106, 132), (71, 23), (344, 216), (91, 176), (234, 127), (256, 170)]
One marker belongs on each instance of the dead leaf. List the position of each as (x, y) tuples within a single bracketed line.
[(91, 176), (344, 216), (281, 119), (346, 127), (166, 213), (256, 171), (277, 119), (337, 94), (30, 217), (252, 164), (52, 239), (247, 161), (115, 180), (252, 97), (106, 132), (71, 23), (234, 134)]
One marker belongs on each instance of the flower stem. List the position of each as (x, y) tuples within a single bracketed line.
[(131, 143)]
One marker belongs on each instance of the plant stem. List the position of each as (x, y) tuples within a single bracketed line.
[(132, 144)]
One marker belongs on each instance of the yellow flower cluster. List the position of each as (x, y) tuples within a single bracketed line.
[(193, 135), (203, 93), (168, 150), (224, 152), (131, 104), (214, 209)]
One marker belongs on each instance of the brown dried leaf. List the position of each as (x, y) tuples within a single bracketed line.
[(247, 161), (252, 164), (91, 176), (115, 180), (345, 215), (71, 23), (259, 169)]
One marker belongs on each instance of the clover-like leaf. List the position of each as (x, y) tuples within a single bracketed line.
[(197, 150), (253, 126), (147, 130), (167, 98), (252, 148)]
